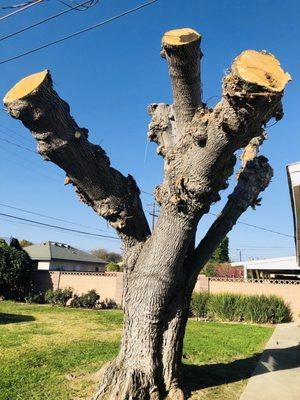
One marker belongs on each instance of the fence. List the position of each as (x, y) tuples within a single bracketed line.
[(288, 290), (108, 285)]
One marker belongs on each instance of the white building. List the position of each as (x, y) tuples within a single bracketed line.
[(280, 267), (53, 256)]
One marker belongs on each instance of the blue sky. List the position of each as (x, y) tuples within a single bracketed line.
[(110, 75)]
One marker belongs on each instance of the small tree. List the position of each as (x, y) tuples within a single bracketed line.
[(199, 147), (221, 255), (15, 268)]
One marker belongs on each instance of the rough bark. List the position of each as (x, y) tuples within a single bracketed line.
[(60, 140), (198, 145)]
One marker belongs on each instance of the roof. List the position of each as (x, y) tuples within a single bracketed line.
[(59, 251), (293, 171), (278, 263)]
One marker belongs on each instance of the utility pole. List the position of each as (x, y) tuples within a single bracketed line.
[(153, 214), (240, 253)]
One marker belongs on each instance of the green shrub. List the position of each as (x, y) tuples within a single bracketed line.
[(15, 269), (108, 304), (87, 300), (234, 307), (198, 306), (223, 306), (33, 297), (263, 309), (58, 297), (113, 267), (209, 270)]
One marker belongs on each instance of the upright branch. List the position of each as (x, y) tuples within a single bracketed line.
[(60, 140), (181, 49)]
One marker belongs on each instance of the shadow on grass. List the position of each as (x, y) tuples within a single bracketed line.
[(197, 377), (14, 318)]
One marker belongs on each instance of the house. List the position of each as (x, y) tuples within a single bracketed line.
[(281, 267), (53, 256)]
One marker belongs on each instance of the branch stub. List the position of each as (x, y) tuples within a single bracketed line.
[(25, 86)]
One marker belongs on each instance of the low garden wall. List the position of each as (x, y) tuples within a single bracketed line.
[(110, 285), (289, 291), (107, 285)]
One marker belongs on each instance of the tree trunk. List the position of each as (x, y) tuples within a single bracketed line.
[(198, 145), (149, 362)]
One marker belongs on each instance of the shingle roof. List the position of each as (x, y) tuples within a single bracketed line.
[(59, 251)]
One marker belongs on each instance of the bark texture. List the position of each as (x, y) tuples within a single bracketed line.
[(199, 148)]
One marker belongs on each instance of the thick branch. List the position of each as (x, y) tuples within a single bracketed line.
[(112, 195), (252, 180), (181, 49), (199, 163)]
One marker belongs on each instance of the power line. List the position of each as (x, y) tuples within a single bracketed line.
[(49, 217), (18, 145), (25, 7), (14, 137), (58, 227), (44, 173), (259, 227), (17, 134), (149, 194), (44, 20), (92, 3), (78, 32)]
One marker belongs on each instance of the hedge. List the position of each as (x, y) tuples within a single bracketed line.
[(234, 307)]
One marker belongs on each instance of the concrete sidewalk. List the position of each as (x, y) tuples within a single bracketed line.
[(277, 375)]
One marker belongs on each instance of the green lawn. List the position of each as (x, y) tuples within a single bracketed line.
[(49, 353)]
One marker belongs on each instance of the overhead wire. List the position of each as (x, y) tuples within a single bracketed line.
[(58, 227), (21, 9), (42, 21), (50, 217), (89, 28)]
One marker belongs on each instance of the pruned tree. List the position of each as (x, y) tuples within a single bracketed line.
[(198, 145)]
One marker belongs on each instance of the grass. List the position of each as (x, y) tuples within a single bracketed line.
[(51, 353)]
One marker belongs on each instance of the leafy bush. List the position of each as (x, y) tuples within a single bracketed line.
[(33, 297), (88, 300), (224, 307), (58, 297), (113, 267), (234, 307), (225, 270), (222, 270), (198, 307), (15, 269), (263, 309), (209, 270), (108, 304)]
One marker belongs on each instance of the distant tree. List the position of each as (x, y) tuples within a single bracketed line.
[(25, 243), (221, 254), (109, 256), (15, 268)]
